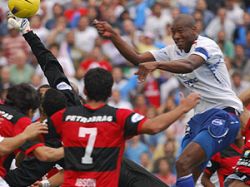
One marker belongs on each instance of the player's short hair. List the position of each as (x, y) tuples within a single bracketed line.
[(98, 84), (43, 86), (53, 101), (23, 97), (41, 94), (39, 90)]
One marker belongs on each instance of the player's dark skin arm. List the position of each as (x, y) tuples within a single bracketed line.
[(205, 180), (163, 121), (129, 52), (183, 65), (126, 50), (144, 60), (177, 66)]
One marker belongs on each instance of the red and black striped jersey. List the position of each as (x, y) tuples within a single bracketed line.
[(94, 141), (12, 123), (243, 165), (224, 162)]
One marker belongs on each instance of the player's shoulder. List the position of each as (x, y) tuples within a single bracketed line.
[(11, 114), (170, 47), (161, 54), (202, 40), (124, 110), (86, 109), (58, 113)]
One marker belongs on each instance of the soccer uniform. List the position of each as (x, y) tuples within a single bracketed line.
[(2, 182), (224, 162), (216, 116), (94, 141), (133, 175), (31, 169), (12, 123), (242, 170)]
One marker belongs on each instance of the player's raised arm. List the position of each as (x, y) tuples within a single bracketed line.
[(45, 58), (126, 50), (163, 121), (48, 62), (7, 145)]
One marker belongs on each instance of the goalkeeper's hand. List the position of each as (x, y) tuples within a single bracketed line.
[(22, 24)]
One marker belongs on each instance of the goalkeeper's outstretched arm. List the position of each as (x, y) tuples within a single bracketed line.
[(48, 62)]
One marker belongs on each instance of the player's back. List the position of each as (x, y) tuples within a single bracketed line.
[(12, 122), (94, 144)]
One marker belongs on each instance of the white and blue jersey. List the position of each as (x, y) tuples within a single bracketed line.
[(215, 124), (211, 80)]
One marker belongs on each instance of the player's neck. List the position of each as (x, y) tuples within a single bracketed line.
[(95, 104)]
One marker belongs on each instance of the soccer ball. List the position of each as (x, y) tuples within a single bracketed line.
[(23, 8)]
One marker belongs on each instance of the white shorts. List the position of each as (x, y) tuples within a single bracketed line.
[(231, 177), (3, 183)]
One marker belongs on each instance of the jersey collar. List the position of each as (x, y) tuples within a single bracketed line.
[(92, 108)]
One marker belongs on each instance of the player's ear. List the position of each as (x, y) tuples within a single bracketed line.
[(85, 92), (30, 113), (110, 94)]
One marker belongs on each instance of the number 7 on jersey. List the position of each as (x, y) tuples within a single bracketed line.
[(87, 159)]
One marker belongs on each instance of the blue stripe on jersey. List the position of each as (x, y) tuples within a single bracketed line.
[(202, 51), (213, 68)]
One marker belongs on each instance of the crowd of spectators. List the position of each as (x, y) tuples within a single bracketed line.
[(65, 27)]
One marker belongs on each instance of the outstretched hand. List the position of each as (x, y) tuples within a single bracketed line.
[(22, 24), (190, 101), (34, 129), (145, 69), (103, 28)]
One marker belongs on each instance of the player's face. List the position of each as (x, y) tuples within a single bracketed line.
[(183, 37)]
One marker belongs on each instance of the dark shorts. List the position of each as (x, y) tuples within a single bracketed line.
[(133, 175)]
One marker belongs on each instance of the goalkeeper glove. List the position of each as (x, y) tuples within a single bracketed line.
[(22, 24)]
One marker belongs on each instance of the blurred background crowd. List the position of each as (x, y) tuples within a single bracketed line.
[(65, 26)]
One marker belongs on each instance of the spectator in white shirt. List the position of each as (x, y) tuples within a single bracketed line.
[(239, 85), (220, 22), (117, 102), (157, 21), (85, 35), (119, 80), (37, 26)]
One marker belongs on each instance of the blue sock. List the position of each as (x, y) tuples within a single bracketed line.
[(186, 181)]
